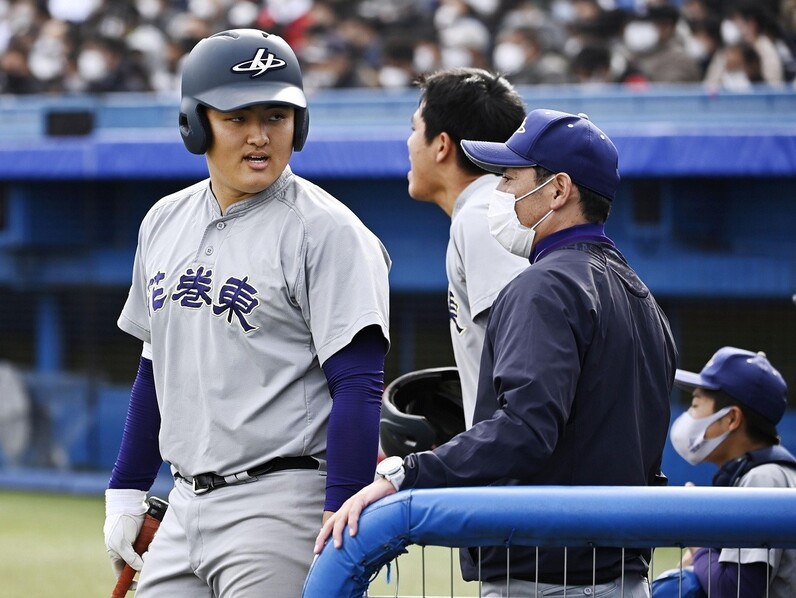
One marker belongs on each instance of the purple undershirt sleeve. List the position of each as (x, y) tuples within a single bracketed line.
[(355, 375), (723, 577), (139, 457)]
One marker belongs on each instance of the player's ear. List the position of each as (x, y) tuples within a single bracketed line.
[(444, 146), (563, 190), (734, 418)]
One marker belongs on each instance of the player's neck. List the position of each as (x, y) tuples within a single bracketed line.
[(226, 200), (451, 192)]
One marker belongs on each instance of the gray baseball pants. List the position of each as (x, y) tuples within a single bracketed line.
[(632, 587), (249, 539)]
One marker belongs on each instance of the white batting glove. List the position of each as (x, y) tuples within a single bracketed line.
[(124, 516)]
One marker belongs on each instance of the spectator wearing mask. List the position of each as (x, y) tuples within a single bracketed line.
[(521, 56), (737, 67), (654, 49), (753, 24), (704, 42)]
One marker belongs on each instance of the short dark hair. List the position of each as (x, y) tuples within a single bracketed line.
[(595, 207), (758, 428), (591, 59), (469, 103)]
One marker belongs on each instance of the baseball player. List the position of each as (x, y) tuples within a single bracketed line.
[(262, 304), (738, 398), (456, 104)]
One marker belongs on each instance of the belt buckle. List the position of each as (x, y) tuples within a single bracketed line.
[(200, 490)]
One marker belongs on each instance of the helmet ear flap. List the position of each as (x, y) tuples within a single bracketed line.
[(301, 125), (195, 128)]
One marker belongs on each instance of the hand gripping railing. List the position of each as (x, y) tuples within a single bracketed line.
[(573, 516)]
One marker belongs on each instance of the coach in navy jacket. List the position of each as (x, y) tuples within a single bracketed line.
[(577, 365)]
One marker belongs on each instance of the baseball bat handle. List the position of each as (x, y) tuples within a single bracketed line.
[(152, 519), (124, 582)]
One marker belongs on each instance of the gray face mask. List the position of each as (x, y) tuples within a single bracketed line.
[(688, 436), (506, 227)]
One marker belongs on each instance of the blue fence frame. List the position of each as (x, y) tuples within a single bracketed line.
[(553, 516)]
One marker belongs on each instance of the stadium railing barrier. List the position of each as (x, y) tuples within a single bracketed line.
[(553, 516)]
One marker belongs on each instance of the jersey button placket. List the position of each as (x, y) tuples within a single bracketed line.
[(214, 235)]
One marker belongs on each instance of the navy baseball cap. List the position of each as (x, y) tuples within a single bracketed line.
[(747, 377), (559, 142)]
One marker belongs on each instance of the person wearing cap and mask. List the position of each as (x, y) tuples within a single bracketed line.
[(737, 401), (653, 47), (576, 369), (261, 303)]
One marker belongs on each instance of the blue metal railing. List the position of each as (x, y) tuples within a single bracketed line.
[(574, 516)]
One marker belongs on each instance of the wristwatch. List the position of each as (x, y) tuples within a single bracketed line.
[(392, 470)]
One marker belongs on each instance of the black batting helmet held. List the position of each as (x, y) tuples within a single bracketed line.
[(420, 411), (235, 69)]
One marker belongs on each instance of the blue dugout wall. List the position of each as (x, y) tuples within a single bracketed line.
[(705, 213)]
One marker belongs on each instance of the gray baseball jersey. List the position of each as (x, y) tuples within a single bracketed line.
[(478, 267), (242, 309), (782, 563)]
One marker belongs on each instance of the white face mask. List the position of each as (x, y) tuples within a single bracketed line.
[(149, 9), (696, 48), (508, 57), (506, 227), (392, 77), (91, 65), (730, 32), (688, 436), (204, 9), (453, 57), (563, 11), (243, 14), (424, 59), (47, 58), (640, 36)]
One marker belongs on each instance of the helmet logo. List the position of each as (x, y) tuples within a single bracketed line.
[(257, 66)]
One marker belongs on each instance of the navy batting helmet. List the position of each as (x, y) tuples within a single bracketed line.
[(421, 410), (235, 69)]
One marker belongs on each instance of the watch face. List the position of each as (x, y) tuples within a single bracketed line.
[(389, 465)]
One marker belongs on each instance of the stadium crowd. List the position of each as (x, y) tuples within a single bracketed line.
[(98, 46)]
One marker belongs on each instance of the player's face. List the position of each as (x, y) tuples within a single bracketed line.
[(421, 160), (250, 148), (702, 404), (530, 209)]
